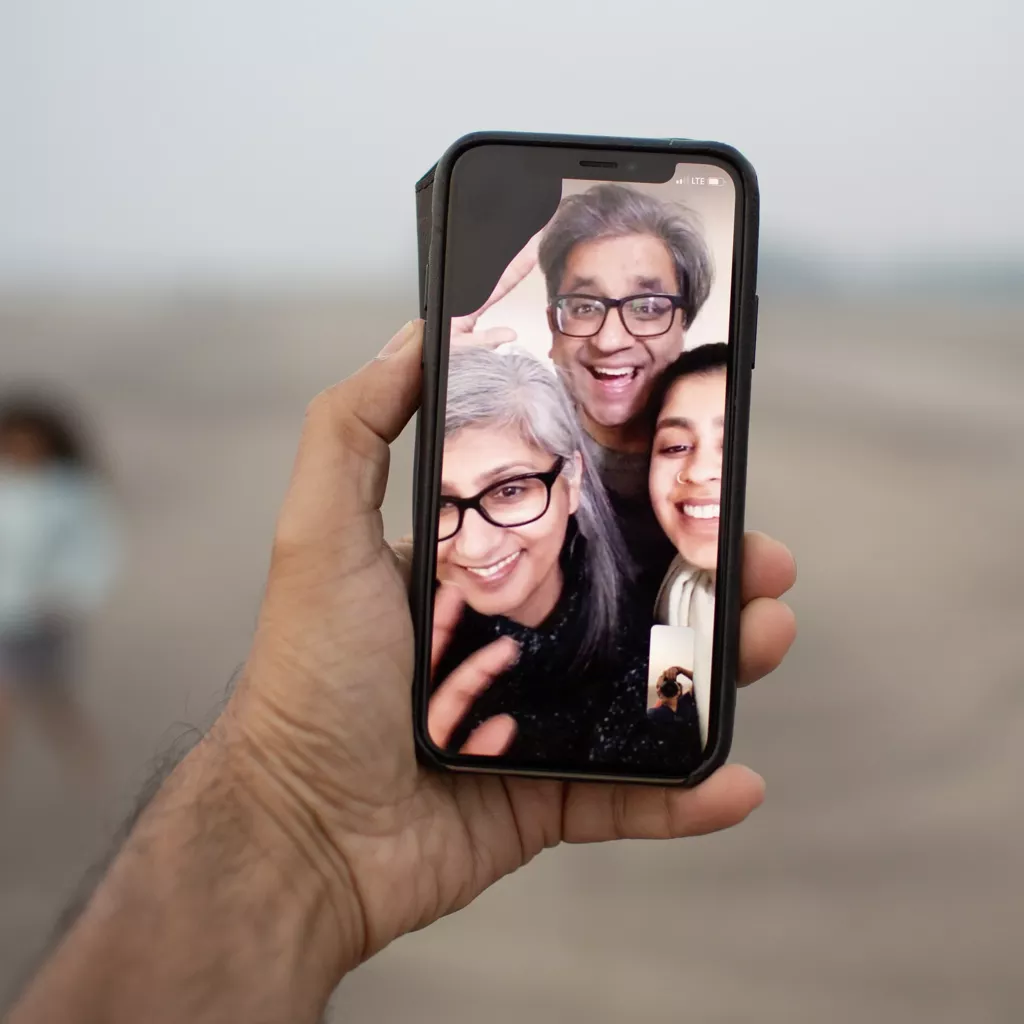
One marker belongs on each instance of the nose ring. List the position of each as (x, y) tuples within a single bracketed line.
[(679, 478)]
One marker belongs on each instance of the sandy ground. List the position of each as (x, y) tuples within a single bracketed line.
[(880, 881)]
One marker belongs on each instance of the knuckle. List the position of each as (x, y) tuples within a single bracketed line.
[(334, 412), (321, 408)]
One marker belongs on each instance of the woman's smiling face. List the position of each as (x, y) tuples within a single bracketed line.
[(510, 571), (686, 466)]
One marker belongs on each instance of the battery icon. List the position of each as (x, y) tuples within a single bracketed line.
[(716, 181)]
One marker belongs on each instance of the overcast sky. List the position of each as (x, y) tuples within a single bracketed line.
[(154, 140)]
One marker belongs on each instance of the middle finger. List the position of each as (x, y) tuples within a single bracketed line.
[(767, 631)]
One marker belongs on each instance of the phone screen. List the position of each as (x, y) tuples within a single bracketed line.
[(580, 485)]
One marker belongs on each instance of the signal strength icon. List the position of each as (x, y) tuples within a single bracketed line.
[(682, 181)]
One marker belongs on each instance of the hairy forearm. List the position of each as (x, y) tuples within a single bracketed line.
[(220, 906)]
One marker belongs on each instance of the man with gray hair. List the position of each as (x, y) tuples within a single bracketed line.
[(626, 274)]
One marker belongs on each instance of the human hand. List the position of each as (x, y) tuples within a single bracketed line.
[(463, 328), (452, 700), (322, 717)]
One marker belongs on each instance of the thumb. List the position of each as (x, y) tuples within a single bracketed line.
[(341, 468), (492, 738)]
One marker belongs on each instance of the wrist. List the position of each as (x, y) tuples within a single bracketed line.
[(288, 834), (215, 909)]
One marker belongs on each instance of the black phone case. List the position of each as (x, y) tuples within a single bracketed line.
[(431, 220)]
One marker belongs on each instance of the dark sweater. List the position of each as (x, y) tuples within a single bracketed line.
[(686, 711), (624, 475), (571, 715)]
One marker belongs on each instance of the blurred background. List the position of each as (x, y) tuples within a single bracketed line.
[(206, 216)]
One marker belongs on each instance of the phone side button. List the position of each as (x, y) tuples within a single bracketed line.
[(425, 296), (753, 339)]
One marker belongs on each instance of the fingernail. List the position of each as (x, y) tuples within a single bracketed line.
[(758, 781), (399, 341)]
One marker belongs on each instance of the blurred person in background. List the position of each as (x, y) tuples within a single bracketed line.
[(56, 565)]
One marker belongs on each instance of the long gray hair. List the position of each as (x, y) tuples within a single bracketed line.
[(513, 389), (612, 211)]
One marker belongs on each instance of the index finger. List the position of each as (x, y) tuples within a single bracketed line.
[(452, 700), (520, 266), (448, 604), (769, 569)]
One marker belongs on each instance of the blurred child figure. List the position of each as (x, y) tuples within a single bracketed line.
[(686, 482), (56, 564)]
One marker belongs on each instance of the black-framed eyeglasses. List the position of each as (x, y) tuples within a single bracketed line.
[(514, 501), (644, 316)]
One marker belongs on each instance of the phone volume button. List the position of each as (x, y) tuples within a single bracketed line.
[(753, 332)]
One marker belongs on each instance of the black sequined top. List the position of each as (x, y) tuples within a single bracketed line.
[(570, 716)]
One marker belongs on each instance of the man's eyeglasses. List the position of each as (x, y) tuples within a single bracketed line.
[(515, 501), (644, 316)]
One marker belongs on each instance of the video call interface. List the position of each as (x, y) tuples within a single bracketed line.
[(581, 485)]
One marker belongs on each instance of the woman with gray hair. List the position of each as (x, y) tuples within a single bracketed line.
[(528, 538)]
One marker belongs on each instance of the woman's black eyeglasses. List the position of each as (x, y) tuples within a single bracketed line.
[(515, 501), (644, 316)]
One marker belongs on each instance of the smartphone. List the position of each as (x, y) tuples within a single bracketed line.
[(590, 308)]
